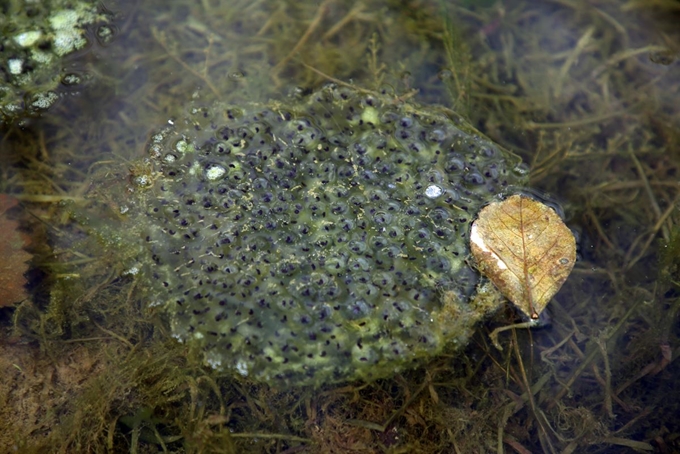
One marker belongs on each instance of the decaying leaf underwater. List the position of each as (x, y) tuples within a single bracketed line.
[(525, 249)]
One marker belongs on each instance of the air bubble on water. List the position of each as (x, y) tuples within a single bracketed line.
[(183, 146), (433, 191), (215, 172), (242, 368)]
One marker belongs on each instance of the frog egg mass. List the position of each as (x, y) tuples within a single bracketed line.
[(319, 239)]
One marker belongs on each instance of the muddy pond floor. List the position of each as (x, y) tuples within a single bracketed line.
[(587, 93)]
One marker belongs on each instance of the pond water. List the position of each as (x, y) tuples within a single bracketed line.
[(585, 93)]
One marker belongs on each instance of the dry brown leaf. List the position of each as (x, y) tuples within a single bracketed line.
[(525, 249), (13, 258)]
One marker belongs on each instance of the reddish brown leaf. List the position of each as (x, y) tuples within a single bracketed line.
[(13, 258), (525, 249)]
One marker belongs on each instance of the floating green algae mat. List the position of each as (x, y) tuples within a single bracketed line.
[(35, 40), (314, 241)]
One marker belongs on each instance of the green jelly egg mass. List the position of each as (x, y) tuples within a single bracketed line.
[(318, 241)]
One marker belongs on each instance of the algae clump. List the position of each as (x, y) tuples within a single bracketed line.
[(36, 37), (316, 241)]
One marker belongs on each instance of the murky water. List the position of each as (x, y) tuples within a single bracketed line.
[(585, 93)]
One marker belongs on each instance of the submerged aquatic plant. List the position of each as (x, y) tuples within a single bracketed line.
[(567, 84)]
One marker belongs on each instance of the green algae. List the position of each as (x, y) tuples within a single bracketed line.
[(36, 39)]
